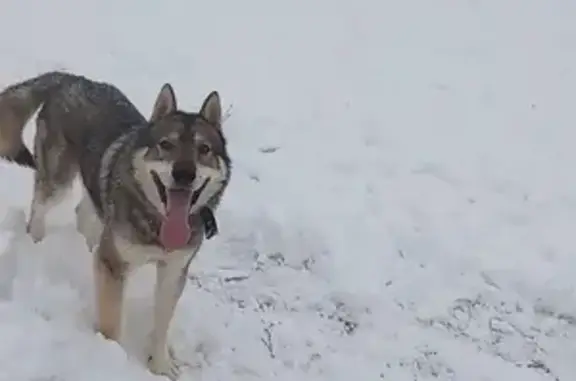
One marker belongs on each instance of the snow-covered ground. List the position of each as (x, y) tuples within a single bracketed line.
[(403, 202)]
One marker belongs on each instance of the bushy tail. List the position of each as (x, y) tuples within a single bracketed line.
[(18, 103)]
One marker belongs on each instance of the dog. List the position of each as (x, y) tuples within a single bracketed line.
[(150, 187)]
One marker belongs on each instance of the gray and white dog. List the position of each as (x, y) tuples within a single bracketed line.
[(147, 184)]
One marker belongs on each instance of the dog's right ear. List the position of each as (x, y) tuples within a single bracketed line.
[(165, 103)]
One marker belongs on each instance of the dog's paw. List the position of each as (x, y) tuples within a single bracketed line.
[(166, 365), (36, 230), (91, 243)]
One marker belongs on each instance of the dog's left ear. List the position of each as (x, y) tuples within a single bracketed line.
[(211, 109), (165, 103)]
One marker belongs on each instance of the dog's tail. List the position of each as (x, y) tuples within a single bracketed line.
[(18, 103)]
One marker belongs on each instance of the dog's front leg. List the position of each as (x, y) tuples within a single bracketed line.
[(171, 278), (109, 275)]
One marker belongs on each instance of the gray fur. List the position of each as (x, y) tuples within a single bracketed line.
[(92, 129)]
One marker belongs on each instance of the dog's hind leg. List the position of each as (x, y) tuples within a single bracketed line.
[(53, 177), (87, 221)]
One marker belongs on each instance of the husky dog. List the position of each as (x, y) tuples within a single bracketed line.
[(148, 186)]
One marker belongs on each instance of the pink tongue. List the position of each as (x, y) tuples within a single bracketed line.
[(175, 231)]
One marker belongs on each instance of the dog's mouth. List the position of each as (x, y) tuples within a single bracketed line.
[(164, 193), (175, 232)]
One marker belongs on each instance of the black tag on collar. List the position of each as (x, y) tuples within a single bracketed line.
[(209, 221)]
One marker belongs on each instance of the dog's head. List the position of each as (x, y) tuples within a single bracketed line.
[(187, 159)]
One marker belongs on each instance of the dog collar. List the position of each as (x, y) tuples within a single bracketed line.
[(209, 222)]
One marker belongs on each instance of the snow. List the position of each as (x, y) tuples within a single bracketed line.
[(402, 204)]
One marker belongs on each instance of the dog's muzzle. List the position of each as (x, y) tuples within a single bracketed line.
[(183, 173), (168, 197), (163, 193), (183, 177)]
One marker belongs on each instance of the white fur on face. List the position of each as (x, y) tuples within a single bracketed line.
[(215, 176), (142, 174), (163, 169)]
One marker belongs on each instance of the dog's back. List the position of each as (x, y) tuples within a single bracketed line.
[(77, 122), (83, 119), (73, 107), (89, 114)]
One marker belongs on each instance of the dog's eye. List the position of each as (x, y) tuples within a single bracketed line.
[(166, 145), (203, 149)]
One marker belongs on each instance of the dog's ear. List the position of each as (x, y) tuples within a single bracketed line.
[(211, 109), (165, 103)]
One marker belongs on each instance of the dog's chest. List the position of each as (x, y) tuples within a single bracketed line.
[(136, 255)]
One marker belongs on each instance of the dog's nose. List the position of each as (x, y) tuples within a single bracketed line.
[(183, 176)]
